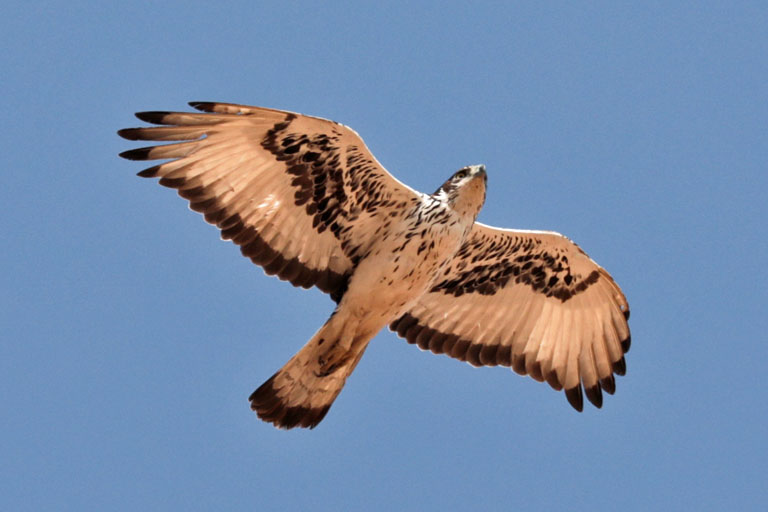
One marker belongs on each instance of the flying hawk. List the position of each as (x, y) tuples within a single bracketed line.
[(305, 199)]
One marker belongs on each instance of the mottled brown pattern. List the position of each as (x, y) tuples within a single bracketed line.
[(334, 184), (232, 227), (487, 266), (313, 160)]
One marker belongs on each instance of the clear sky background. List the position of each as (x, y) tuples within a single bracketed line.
[(131, 336)]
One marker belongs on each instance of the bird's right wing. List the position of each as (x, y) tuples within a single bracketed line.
[(301, 196)]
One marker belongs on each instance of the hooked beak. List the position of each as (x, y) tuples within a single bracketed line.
[(479, 170)]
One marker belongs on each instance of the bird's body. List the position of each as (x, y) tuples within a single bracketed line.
[(415, 244), (305, 199), (401, 273)]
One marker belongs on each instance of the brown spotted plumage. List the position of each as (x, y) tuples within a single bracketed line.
[(305, 199)]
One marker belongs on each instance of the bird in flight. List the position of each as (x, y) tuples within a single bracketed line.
[(306, 200)]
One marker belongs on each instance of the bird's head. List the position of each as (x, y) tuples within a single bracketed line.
[(465, 190)]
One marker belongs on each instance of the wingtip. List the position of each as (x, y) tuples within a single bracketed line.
[(149, 172), (553, 380), (127, 133), (625, 344), (620, 367), (575, 397), (203, 106), (154, 116), (594, 395), (608, 384), (136, 154)]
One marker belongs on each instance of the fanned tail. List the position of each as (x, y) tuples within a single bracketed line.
[(302, 391)]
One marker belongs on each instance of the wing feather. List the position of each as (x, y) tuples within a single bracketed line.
[(549, 339), (294, 192), (532, 300), (556, 375)]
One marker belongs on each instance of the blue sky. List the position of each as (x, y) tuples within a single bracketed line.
[(132, 337)]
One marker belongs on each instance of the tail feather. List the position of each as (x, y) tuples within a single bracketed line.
[(302, 391), (273, 409)]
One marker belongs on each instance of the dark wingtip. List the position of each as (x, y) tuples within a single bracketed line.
[(203, 106), (534, 370), (136, 154), (129, 133), (518, 364), (553, 380), (594, 395), (149, 172), (625, 344), (154, 117), (575, 397), (620, 367), (608, 384)]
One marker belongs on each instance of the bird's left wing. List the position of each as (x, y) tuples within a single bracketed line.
[(531, 300), (301, 196)]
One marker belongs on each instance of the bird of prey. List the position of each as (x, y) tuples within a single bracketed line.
[(306, 200)]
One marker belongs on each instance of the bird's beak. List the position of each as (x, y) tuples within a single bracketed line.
[(479, 170)]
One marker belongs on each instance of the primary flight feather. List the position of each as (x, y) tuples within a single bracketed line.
[(305, 199)]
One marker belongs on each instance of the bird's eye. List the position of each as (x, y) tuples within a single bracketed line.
[(460, 175)]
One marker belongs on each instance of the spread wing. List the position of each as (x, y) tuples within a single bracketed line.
[(301, 196), (530, 300)]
